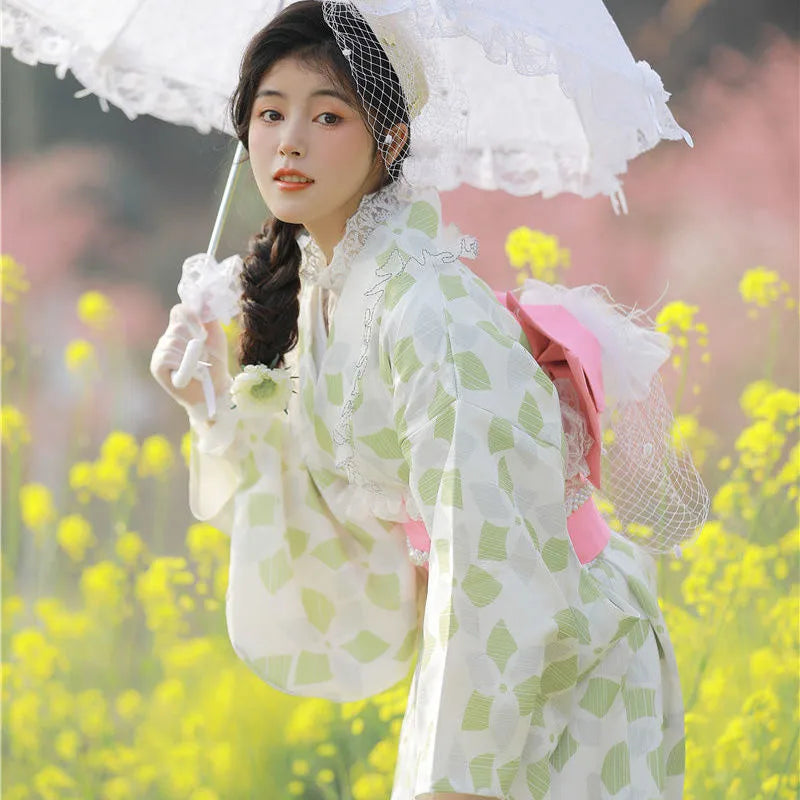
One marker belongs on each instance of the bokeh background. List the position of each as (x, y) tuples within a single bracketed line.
[(118, 681)]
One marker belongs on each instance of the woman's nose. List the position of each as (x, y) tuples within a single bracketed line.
[(291, 144), (290, 150)]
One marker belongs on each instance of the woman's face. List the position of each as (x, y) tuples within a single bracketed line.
[(301, 121)]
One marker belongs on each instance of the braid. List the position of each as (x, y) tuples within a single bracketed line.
[(270, 288)]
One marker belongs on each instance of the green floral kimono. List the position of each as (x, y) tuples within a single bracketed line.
[(536, 676)]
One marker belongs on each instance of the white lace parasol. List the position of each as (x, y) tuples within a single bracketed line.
[(525, 95)]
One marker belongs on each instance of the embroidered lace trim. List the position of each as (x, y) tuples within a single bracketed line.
[(373, 209)]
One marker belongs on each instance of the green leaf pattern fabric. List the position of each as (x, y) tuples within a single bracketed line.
[(537, 677)]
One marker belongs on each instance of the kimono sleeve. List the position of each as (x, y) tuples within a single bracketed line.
[(317, 604), (215, 472), (480, 427)]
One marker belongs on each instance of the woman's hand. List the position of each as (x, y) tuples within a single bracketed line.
[(184, 325)]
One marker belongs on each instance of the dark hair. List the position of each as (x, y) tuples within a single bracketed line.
[(270, 278)]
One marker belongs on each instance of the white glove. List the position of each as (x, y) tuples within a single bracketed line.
[(185, 326)]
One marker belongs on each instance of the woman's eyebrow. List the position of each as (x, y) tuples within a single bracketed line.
[(318, 93)]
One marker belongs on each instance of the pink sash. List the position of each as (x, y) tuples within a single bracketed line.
[(564, 349)]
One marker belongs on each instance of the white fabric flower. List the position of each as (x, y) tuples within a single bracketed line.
[(259, 390)]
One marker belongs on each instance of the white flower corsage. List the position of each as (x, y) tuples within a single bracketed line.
[(259, 390)]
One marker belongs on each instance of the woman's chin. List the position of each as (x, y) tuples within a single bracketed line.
[(282, 211)]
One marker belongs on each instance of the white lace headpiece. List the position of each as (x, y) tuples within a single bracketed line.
[(399, 79)]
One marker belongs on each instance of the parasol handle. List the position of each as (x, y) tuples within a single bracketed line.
[(191, 367), (225, 202)]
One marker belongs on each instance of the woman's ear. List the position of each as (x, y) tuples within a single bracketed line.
[(399, 134)]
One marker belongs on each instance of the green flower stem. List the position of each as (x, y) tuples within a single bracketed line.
[(787, 763), (344, 778)]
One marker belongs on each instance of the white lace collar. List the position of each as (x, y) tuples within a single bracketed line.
[(373, 209)]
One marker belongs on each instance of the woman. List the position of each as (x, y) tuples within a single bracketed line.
[(412, 395)]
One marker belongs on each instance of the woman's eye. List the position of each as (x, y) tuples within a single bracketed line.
[(265, 115), (336, 117)]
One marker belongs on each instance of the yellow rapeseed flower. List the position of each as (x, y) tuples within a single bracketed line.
[(129, 547), (80, 357), (13, 282), (789, 474), (75, 536), (102, 585), (81, 480), (676, 316), (128, 704), (370, 786), (169, 693), (155, 592), (156, 457), (357, 726), (95, 310), (383, 757), (761, 287), (109, 479), (36, 505), (754, 394), (310, 722), (778, 403), (538, 251), (300, 767), (66, 744), (39, 657), (52, 783), (352, 708), (13, 428), (296, 788), (24, 721), (759, 444), (326, 776), (119, 447), (206, 542), (59, 621)]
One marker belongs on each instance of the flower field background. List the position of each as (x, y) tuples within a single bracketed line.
[(118, 680)]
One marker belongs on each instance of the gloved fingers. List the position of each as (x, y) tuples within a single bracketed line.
[(186, 322), (216, 340)]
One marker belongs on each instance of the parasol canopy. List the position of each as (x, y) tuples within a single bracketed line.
[(540, 97)]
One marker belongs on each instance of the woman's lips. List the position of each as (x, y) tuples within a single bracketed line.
[(291, 186)]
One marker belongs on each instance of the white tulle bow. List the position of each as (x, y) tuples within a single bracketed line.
[(632, 351), (211, 288)]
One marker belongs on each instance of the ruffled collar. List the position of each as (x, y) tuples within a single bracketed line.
[(373, 209)]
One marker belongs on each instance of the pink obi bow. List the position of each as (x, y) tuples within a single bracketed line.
[(564, 349)]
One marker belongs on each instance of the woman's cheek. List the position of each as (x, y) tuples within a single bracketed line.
[(258, 156)]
